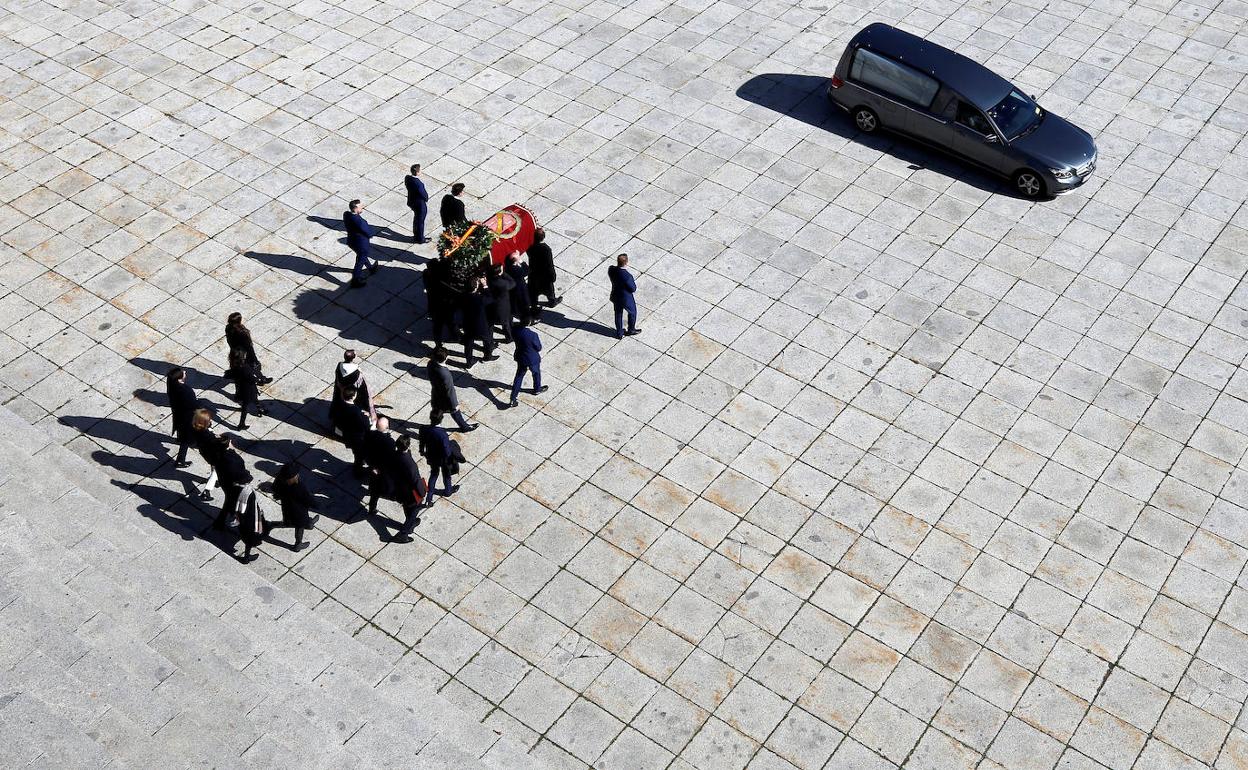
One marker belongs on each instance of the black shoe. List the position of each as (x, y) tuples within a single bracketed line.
[(205, 494), (242, 426), (264, 380), (491, 358), (619, 336), (300, 546), (542, 389), (183, 464), (262, 412), (312, 521), (401, 539), (451, 491), (633, 332), (425, 240), (372, 269), (556, 300), (470, 428), (514, 403)]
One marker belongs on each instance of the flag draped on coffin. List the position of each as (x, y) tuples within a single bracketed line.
[(513, 231)]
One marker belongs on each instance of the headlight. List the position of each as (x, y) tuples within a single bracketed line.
[(1062, 173)]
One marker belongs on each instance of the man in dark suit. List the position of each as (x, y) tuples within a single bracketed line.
[(452, 207), (622, 288), (440, 300), (542, 270), (232, 475), (476, 326), (442, 399), (183, 402), (440, 453), (521, 304), (359, 233), (528, 357), (383, 462), (352, 422), (410, 489), (418, 202), (500, 286)]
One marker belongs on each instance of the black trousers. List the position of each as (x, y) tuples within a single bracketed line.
[(435, 417), (183, 446), (228, 505), (487, 345)]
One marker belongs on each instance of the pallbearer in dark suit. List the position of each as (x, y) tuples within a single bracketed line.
[(183, 402), (542, 270), (622, 288), (476, 325), (521, 304), (418, 202), (359, 235), (528, 358), (501, 286), (352, 422), (452, 207)]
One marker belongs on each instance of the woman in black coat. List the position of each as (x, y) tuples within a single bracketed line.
[(246, 386), (210, 447), (296, 501), (238, 337)]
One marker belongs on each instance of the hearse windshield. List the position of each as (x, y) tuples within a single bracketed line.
[(1015, 115)]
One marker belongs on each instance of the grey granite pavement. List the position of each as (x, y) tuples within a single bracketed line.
[(903, 471)]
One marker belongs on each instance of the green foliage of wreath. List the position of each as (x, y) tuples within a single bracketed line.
[(469, 260)]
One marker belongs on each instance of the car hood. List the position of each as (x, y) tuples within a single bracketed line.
[(1057, 142)]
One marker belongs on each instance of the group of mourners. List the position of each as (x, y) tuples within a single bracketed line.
[(505, 299)]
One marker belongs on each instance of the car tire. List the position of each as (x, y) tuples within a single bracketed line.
[(866, 120), (1029, 184)]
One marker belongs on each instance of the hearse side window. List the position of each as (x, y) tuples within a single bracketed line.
[(893, 78)]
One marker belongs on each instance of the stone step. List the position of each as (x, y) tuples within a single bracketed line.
[(257, 626), (34, 734)]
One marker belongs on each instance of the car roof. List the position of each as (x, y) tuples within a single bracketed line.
[(973, 81)]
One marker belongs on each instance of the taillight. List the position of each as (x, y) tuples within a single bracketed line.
[(837, 82)]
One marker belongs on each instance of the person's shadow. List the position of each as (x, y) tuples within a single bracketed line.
[(379, 231), (804, 98), (559, 321)]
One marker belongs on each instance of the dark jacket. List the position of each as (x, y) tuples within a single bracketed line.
[(417, 195), (358, 231), (519, 273), (541, 268), (296, 502), (210, 447), (383, 458), (246, 385), (475, 324), (501, 287), (528, 347), (250, 521), (409, 487), (442, 388), (452, 210), (622, 287), (240, 339), (438, 294), (435, 445), (183, 402), (231, 470), (352, 421)]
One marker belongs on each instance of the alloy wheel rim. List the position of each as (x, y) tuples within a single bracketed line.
[(1028, 184), (866, 121)]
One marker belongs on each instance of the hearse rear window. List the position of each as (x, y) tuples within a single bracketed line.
[(893, 78)]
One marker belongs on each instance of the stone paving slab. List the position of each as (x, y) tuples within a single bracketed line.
[(903, 471)]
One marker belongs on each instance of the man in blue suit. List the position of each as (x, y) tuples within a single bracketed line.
[(418, 202), (359, 233), (528, 358), (622, 288)]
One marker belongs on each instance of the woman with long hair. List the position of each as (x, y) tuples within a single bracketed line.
[(246, 386), (238, 337)]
